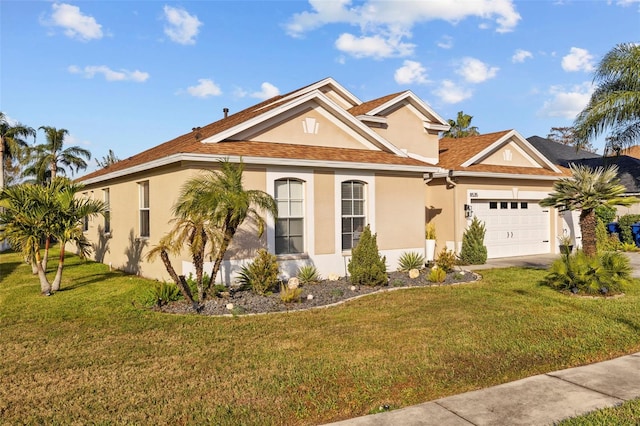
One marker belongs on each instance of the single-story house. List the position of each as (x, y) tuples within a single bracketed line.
[(334, 164)]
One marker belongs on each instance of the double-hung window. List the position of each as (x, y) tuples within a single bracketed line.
[(353, 213), (289, 195), (144, 208), (107, 213)]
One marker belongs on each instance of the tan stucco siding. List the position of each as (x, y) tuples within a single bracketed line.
[(400, 214), (510, 155), (406, 130), (310, 127), (324, 212), (439, 209)]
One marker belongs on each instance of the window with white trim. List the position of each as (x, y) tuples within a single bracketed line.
[(144, 208), (353, 213), (107, 213), (289, 196)]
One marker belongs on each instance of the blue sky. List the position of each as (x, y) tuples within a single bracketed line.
[(128, 75)]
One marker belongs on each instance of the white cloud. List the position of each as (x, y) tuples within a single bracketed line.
[(567, 103), (76, 25), (475, 71), (451, 93), (181, 27), (578, 60), (109, 74), (411, 72), (267, 91), (521, 55), (385, 26), (204, 89), (375, 47), (446, 42)]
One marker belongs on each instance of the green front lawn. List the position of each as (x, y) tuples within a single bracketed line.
[(90, 353)]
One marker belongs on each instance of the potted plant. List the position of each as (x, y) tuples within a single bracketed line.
[(430, 243), (566, 244)]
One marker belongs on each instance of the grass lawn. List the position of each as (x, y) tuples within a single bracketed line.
[(625, 414), (88, 354)]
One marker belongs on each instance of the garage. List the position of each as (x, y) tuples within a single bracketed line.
[(513, 227)]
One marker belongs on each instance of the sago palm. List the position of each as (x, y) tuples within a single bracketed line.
[(615, 103), (585, 190)]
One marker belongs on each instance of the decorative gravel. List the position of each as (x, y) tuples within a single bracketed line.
[(324, 293)]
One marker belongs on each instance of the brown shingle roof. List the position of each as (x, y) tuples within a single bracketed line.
[(454, 152), (365, 107)]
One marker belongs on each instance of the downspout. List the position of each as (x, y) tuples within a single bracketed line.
[(452, 183)]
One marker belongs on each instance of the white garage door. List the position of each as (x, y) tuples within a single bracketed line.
[(514, 228)]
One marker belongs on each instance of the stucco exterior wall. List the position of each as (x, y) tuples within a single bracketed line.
[(400, 215), (324, 212), (320, 130), (406, 130), (510, 155)]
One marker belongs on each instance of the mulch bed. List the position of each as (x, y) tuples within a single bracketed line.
[(324, 293)]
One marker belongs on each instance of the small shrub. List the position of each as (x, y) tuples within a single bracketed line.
[(366, 266), (308, 274), (604, 240), (606, 273), (631, 247), (473, 251), (410, 260), (606, 214), (437, 275), (193, 283), (430, 231), (289, 295), (162, 294), (446, 260), (261, 275), (625, 222)]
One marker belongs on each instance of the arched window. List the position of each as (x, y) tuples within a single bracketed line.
[(353, 213), (289, 194)]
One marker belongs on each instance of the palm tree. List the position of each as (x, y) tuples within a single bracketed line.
[(615, 103), (585, 190), (26, 217), (11, 142), (210, 209), (107, 160), (51, 158), (461, 127)]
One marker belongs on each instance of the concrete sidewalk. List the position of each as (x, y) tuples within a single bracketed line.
[(538, 400)]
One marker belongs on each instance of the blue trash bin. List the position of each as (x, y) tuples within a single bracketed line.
[(635, 231), (613, 228)]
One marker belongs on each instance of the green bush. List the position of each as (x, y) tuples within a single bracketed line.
[(289, 295), (437, 275), (604, 240), (606, 214), (410, 260), (625, 223), (473, 251), (606, 273), (193, 283), (261, 275), (366, 266), (308, 274), (446, 260), (162, 294)]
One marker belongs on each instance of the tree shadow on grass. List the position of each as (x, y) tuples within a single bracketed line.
[(91, 279), (6, 268)]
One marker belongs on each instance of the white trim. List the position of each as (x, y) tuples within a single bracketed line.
[(307, 177), (418, 103), (439, 127), (505, 194), (455, 173), (430, 160), (372, 119), (370, 203), (517, 139), (267, 161), (337, 87)]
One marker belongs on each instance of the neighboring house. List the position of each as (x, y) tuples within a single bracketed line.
[(336, 163), (499, 178), (633, 151)]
